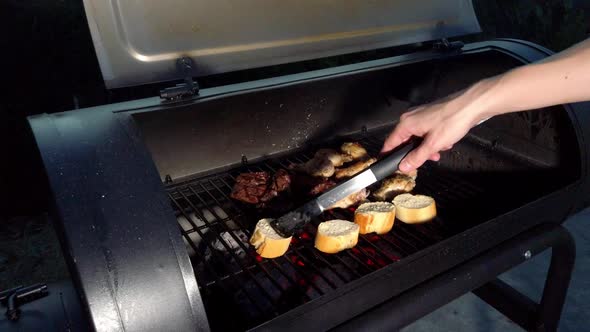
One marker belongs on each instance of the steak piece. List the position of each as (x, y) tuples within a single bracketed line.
[(260, 187), (280, 182), (250, 187), (305, 185), (321, 187)]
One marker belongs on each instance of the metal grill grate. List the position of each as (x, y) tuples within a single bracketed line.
[(235, 282)]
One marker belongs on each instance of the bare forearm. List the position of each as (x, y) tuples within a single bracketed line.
[(562, 78)]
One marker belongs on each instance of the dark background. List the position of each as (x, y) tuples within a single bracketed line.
[(48, 65)]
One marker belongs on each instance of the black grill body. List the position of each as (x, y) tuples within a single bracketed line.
[(154, 243)]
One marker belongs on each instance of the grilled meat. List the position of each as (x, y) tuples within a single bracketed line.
[(394, 186), (321, 167), (250, 187), (352, 199), (321, 187), (413, 174), (337, 158), (260, 187), (306, 186), (354, 150), (354, 169), (280, 182)]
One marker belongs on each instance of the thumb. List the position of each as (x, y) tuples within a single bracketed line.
[(417, 157)]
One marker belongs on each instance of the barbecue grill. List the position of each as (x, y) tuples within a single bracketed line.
[(142, 188)]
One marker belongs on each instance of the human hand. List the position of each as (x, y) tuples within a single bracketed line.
[(441, 124)]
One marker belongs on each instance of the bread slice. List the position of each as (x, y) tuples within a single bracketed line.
[(375, 217), (414, 209), (268, 243), (336, 235)]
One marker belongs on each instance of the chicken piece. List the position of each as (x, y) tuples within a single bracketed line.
[(355, 150), (337, 158), (321, 167), (413, 174), (400, 183), (352, 199), (354, 169)]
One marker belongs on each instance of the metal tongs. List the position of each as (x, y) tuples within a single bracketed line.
[(289, 223)]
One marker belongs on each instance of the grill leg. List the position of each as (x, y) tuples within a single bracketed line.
[(521, 309)]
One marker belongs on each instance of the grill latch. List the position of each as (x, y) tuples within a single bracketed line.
[(186, 89), (444, 45)]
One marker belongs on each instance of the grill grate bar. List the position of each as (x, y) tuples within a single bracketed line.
[(365, 241), (248, 252), (272, 169), (289, 261), (282, 164), (301, 256), (245, 230), (303, 273), (233, 276), (236, 259)]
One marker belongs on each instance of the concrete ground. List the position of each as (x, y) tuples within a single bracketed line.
[(469, 313)]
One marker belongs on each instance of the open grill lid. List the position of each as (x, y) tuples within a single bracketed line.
[(138, 42)]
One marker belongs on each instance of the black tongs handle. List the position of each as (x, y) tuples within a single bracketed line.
[(386, 166)]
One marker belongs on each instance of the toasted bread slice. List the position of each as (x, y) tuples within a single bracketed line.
[(268, 243), (414, 209), (336, 235), (375, 217)]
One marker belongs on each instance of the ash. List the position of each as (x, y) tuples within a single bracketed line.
[(235, 247), (217, 258)]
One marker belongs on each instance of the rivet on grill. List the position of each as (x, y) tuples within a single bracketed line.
[(168, 179), (364, 129), (244, 160), (494, 144), (527, 254)]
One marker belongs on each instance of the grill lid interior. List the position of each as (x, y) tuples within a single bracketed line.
[(137, 42)]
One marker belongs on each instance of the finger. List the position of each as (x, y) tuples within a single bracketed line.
[(435, 157), (397, 137), (417, 157), (448, 147)]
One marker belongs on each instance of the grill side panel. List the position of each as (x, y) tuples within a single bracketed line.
[(116, 226)]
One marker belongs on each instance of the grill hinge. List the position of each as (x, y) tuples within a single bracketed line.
[(186, 89), (444, 45)]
